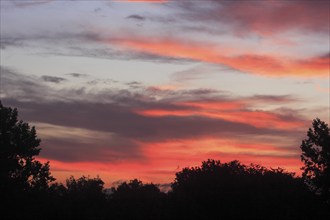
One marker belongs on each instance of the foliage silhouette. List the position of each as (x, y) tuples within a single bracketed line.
[(20, 171), (85, 197), (145, 201), (85, 188), (22, 177), (254, 192), (316, 158)]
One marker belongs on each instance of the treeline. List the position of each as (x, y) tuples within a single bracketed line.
[(213, 190)]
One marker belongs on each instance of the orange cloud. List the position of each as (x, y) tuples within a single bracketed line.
[(216, 105), (109, 172), (257, 64), (174, 155), (231, 111)]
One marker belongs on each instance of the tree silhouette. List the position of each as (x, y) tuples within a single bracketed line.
[(232, 190), (19, 170), (135, 200), (136, 189), (85, 188), (316, 157), (85, 197)]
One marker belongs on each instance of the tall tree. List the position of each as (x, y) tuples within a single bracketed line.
[(316, 157), (19, 170)]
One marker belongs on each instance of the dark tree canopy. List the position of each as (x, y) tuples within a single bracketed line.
[(19, 145), (254, 192), (144, 201), (316, 157), (85, 188), (136, 189)]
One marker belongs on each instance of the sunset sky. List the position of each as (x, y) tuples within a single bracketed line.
[(143, 88)]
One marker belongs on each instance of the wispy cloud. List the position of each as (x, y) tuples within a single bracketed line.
[(10, 42), (52, 79), (29, 3), (267, 65), (136, 17), (77, 75)]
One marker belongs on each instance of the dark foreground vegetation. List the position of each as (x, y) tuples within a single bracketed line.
[(213, 190)]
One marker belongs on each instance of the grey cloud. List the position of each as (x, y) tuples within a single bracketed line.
[(134, 85), (10, 42), (53, 79), (185, 95), (198, 72), (77, 75), (120, 55), (23, 4), (190, 74), (104, 150), (304, 82), (201, 71), (113, 53), (125, 123), (136, 17), (23, 87), (68, 43), (273, 98), (101, 81), (327, 55), (65, 37), (97, 10)]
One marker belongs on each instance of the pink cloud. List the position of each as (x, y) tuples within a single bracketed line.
[(266, 65)]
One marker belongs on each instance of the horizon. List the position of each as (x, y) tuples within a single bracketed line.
[(130, 89)]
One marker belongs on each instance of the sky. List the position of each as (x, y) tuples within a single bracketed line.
[(143, 88)]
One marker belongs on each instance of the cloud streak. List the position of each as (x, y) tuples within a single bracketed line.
[(52, 79), (136, 17), (267, 65)]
